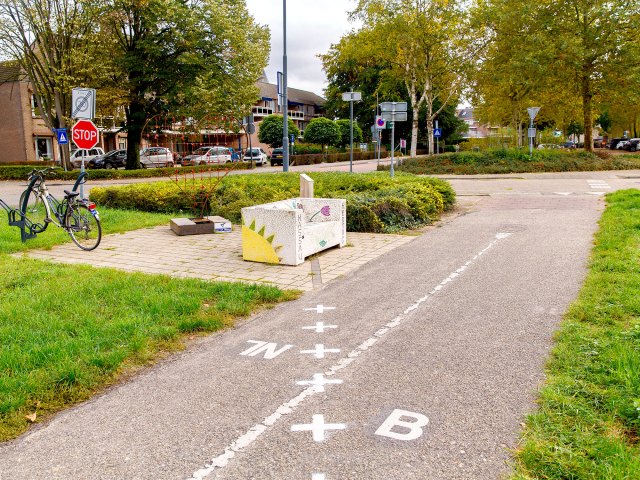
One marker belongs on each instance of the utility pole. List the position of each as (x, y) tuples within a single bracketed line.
[(285, 104)]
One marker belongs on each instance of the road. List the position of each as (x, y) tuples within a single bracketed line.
[(420, 365)]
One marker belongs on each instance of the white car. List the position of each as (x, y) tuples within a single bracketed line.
[(622, 144), (207, 155), (86, 154), (256, 155), (151, 157)]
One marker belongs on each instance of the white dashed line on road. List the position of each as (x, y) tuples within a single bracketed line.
[(242, 442)]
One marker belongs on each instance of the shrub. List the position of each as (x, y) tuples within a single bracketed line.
[(375, 202)]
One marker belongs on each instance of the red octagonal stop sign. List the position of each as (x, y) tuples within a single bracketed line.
[(84, 134)]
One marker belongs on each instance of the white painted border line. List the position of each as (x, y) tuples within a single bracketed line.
[(254, 432)]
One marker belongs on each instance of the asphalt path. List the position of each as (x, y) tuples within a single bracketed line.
[(420, 365)]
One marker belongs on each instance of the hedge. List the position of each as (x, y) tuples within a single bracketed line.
[(517, 161), (375, 202), (19, 172)]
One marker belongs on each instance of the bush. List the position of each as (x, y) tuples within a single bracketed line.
[(514, 160), (375, 202), (21, 172)]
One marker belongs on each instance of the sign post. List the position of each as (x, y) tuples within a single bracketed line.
[(532, 111), (393, 112), (351, 97), (85, 135)]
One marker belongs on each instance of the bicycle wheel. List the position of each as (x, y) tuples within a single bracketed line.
[(35, 211), (83, 227)]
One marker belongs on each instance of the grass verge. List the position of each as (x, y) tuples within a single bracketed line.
[(67, 331), (516, 161), (113, 220), (588, 422)]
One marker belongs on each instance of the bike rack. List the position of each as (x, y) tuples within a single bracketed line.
[(17, 219)]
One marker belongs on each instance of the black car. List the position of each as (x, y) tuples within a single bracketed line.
[(112, 159), (633, 145), (277, 157), (615, 141)]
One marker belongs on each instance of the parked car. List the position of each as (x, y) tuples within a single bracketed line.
[(277, 157), (548, 146), (112, 159), (622, 144), (633, 145), (570, 145), (613, 145), (156, 157), (207, 155), (256, 155), (86, 154)]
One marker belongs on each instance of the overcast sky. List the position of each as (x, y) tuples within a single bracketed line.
[(312, 26)]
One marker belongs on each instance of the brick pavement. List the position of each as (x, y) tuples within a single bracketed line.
[(219, 257)]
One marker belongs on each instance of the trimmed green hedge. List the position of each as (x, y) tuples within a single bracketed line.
[(19, 172), (375, 202), (517, 161)]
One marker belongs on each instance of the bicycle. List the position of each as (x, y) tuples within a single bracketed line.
[(38, 208)]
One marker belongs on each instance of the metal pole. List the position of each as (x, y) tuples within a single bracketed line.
[(351, 134), (285, 109), (530, 139), (393, 146)]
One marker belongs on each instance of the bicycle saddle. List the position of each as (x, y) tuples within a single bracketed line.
[(69, 194)]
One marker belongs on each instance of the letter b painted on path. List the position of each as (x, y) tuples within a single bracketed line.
[(403, 425)]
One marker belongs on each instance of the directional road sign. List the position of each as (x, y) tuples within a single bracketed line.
[(437, 132), (397, 116), (393, 107), (84, 134), (63, 137), (352, 96)]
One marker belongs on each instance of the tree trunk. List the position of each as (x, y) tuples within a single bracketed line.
[(587, 96), (135, 124), (414, 130)]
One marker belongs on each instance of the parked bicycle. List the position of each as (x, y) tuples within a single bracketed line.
[(38, 208)]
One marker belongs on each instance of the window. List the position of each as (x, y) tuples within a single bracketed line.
[(35, 108), (44, 148)]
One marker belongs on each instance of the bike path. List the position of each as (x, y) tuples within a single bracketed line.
[(441, 346)]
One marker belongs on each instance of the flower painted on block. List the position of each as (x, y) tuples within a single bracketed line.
[(326, 210)]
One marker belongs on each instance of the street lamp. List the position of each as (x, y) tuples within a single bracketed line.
[(285, 109), (351, 97)]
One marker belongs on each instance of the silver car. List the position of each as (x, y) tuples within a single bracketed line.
[(151, 157)]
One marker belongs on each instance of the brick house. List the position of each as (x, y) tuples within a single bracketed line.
[(23, 134)]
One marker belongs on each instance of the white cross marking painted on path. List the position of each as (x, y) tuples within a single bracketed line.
[(317, 427), (319, 309), (319, 351), (319, 382), (319, 327)]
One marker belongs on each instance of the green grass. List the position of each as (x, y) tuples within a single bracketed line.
[(67, 331), (588, 423), (494, 161), (112, 220)]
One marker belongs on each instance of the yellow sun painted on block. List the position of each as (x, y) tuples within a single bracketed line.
[(257, 248)]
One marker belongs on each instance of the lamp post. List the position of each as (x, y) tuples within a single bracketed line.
[(532, 111), (351, 97), (285, 105)]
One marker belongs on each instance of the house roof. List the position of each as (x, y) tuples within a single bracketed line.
[(269, 90), (10, 72), (465, 114)]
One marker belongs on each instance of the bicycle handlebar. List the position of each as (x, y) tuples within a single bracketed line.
[(41, 173)]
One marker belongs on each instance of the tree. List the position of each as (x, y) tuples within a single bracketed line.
[(47, 38), (562, 48), (271, 130), (323, 131), (345, 132), (427, 44), (184, 59)]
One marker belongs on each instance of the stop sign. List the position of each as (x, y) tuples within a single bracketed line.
[(84, 134)]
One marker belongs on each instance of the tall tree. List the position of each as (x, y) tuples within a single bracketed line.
[(429, 46), (323, 131), (48, 39), (183, 58)]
